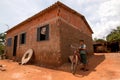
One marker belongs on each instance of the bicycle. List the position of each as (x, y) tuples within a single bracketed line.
[(74, 59)]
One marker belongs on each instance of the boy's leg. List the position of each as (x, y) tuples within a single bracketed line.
[(86, 67), (84, 61), (81, 60)]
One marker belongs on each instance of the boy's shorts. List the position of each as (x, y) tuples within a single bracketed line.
[(83, 58)]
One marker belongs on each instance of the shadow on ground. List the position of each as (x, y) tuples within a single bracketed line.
[(94, 61)]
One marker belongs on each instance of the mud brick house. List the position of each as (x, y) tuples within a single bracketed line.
[(105, 46), (50, 34), (100, 47)]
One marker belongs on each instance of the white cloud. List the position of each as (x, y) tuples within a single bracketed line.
[(102, 15), (109, 16), (110, 8), (15, 11)]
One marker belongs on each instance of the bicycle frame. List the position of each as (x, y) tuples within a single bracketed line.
[(75, 61)]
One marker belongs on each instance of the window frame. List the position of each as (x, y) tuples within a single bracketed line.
[(9, 42), (46, 34), (22, 37)]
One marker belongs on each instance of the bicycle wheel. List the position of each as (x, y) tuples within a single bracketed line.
[(74, 65)]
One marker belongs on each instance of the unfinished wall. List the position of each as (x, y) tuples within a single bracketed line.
[(45, 52), (70, 35), (76, 20), (72, 29), (65, 28)]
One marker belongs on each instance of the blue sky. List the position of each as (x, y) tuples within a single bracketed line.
[(102, 15)]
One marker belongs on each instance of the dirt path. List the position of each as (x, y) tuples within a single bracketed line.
[(102, 67)]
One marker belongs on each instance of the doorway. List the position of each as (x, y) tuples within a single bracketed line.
[(15, 45)]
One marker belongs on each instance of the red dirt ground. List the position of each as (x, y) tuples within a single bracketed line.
[(103, 66)]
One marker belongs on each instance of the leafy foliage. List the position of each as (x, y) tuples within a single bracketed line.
[(114, 35), (99, 40), (2, 37), (2, 40)]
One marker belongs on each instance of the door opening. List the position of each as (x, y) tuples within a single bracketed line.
[(15, 45)]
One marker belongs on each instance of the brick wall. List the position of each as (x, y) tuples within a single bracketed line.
[(70, 35), (45, 52), (75, 20), (65, 28)]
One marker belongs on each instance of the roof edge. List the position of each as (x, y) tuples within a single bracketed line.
[(58, 3), (34, 16)]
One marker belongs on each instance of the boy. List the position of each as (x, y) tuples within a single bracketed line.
[(83, 55)]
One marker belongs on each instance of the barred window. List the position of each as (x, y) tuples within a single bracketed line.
[(22, 38), (43, 33), (9, 41)]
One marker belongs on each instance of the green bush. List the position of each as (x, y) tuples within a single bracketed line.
[(2, 47), (2, 40)]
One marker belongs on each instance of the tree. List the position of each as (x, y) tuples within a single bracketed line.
[(99, 40), (2, 37), (114, 35), (2, 40)]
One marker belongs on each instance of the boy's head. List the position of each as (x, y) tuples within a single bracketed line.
[(81, 41)]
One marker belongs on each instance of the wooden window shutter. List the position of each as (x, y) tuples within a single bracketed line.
[(47, 32), (38, 34)]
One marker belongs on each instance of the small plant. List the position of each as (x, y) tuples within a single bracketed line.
[(2, 40), (2, 47)]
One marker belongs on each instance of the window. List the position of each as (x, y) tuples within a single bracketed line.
[(9, 41), (43, 33), (22, 38)]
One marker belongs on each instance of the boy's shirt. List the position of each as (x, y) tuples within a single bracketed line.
[(83, 47)]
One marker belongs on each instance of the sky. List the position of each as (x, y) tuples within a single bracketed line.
[(102, 15)]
